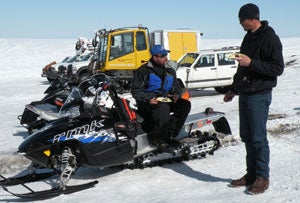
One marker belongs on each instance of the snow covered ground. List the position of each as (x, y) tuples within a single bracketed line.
[(200, 180)]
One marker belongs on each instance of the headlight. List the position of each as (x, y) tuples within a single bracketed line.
[(71, 112)]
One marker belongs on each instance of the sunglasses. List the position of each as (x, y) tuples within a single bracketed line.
[(161, 56)]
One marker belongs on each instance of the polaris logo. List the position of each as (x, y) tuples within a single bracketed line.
[(79, 132)]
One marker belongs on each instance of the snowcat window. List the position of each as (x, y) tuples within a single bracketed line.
[(102, 49), (122, 45), (141, 41)]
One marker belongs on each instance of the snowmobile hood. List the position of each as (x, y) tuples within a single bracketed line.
[(42, 137)]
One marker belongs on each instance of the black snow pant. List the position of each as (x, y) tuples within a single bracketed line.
[(164, 120)]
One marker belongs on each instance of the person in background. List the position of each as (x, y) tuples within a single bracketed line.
[(260, 62), (157, 94)]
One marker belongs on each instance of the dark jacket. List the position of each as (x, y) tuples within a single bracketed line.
[(265, 50), (141, 85)]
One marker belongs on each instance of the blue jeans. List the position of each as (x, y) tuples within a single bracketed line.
[(253, 113)]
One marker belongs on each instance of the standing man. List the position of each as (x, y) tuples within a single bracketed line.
[(157, 94), (260, 62)]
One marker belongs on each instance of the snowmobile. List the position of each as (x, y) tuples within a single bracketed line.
[(38, 113), (106, 132)]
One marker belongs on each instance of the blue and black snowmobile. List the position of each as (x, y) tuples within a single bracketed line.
[(105, 132)]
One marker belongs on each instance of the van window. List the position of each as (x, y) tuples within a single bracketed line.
[(223, 59), (187, 60), (207, 60)]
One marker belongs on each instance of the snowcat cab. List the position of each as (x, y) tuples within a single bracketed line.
[(121, 51)]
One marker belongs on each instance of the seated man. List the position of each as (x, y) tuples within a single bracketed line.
[(152, 81)]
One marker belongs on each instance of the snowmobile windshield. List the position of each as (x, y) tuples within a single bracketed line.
[(187, 60), (96, 81), (99, 80), (71, 107)]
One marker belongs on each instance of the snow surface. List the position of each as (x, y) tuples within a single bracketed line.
[(199, 180)]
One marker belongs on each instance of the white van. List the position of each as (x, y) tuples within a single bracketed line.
[(208, 68)]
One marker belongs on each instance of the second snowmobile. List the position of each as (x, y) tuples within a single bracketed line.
[(38, 113)]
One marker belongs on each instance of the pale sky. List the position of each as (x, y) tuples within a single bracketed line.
[(216, 19)]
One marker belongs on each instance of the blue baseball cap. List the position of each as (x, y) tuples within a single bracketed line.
[(158, 49)]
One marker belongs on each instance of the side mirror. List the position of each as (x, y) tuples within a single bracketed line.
[(112, 42), (172, 64)]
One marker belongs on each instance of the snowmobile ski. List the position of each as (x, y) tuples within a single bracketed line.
[(26, 178), (54, 192)]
